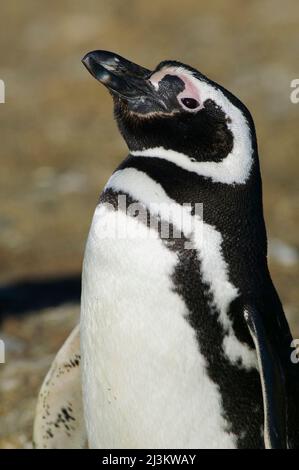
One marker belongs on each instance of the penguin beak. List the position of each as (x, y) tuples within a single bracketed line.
[(119, 75)]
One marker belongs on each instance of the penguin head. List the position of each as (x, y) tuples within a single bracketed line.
[(173, 107)]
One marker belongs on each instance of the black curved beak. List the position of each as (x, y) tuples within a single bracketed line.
[(119, 75)]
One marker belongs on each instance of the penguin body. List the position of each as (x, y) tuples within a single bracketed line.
[(154, 389), (183, 338)]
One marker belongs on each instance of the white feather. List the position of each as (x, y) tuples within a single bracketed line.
[(145, 383)]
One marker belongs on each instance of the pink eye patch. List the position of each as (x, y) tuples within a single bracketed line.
[(189, 98)]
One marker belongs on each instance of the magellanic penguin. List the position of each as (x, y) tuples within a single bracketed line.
[(184, 341)]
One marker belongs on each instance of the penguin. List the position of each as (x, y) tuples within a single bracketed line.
[(184, 342)]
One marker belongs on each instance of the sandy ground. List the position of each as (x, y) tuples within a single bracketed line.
[(59, 145)]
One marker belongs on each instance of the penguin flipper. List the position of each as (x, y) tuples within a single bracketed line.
[(272, 380), (59, 421)]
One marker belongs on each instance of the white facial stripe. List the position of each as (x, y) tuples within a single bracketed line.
[(229, 171), (207, 241), (236, 167)]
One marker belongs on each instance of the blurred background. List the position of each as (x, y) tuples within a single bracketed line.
[(59, 145)]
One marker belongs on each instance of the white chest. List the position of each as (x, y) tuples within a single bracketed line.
[(145, 383)]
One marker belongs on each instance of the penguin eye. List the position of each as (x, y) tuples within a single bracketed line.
[(190, 103)]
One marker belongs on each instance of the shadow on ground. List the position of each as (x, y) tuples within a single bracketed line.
[(35, 294)]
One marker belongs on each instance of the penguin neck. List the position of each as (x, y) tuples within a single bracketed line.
[(234, 209), (235, 168)]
